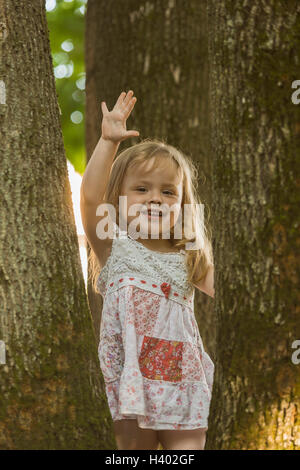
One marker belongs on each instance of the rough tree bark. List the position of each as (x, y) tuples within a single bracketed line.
[(51, 391), (254, 55), (159, 50)]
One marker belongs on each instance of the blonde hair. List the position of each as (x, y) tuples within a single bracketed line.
[(197, 260)]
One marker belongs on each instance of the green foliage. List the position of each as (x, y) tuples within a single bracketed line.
[(66, 23)]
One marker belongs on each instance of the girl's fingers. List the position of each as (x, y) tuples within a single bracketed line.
[(128, 98), (132, 133), (120, 99), (130, 106), (104, 107), (125, 103)]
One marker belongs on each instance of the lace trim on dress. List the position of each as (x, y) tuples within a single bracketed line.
[(131, 258), (143, 247)]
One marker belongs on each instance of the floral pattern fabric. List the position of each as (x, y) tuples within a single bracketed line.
[(163, 383), (161, 359), (151, 353)]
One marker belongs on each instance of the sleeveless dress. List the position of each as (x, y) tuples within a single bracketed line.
[(151, 353)]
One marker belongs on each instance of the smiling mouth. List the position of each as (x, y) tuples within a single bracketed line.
[(153, 214)]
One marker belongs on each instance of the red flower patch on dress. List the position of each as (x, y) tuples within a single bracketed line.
[(161, 359)]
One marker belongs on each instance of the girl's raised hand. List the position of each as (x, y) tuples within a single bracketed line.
[(114, 121)]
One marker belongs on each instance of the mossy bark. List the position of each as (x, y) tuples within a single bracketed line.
[(51, 392), (254, 53)]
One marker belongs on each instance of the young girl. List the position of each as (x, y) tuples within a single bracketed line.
[(158, 377)]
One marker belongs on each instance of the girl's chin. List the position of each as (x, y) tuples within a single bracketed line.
[(146, 223)]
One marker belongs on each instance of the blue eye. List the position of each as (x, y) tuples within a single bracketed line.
[(138, 189)]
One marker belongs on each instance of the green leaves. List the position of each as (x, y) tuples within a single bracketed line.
[(66, 24)]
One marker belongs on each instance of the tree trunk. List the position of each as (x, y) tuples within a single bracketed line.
[(159, 50), (254, 59), (52, 394)]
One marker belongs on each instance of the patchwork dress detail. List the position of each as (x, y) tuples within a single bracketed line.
[(151, 353)]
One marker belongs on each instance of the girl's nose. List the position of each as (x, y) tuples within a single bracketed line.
[(155, 198)]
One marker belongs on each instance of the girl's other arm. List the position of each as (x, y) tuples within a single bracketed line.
[(206, 284)]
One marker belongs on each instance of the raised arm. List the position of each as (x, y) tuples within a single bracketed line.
[(95, 177)]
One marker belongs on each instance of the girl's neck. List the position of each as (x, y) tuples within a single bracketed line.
[(160, 244)]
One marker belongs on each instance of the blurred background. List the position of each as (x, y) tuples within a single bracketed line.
[(66, 30)]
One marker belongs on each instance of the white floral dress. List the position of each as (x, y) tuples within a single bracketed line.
[(151, 353)]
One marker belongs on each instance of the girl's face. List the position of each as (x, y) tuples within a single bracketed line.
[(156, 188)]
